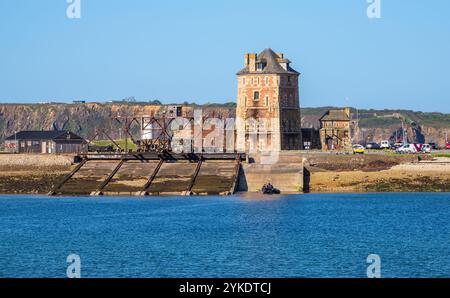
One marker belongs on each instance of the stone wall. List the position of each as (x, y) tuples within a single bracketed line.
[(286, 173)]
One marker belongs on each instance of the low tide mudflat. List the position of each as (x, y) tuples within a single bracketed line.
[(408, 177)]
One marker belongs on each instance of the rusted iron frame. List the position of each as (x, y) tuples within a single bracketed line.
[(127, 128), (164, 138), (153, 119), (112, 140), (195, 175), (152, 177), (106, 134), (110, 176), (67, 178)]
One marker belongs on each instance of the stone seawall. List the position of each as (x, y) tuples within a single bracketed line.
[(286, 173)]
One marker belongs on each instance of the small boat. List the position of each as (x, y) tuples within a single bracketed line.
[(268, 189)]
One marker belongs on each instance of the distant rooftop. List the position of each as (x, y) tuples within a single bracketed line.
[(43, 135), (336, 115), (267, 62)]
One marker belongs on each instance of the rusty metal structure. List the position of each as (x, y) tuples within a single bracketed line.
[(154, 168), (156, 132)]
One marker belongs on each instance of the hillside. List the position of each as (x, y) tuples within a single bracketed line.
[(87, 119)]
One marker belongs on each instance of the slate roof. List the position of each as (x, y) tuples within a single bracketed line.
[(272, 62), (335, 115), (43, 135)]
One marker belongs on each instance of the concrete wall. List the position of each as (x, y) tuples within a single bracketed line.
[(286, 173)]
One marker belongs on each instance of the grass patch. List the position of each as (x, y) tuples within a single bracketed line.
[(121, 143), (441, 155)]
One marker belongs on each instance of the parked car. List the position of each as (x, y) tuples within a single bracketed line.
[(414, 148), (447, 146), (385, 145), (372, 145), (358, 149), (434, 146), (426, 148), (406, 148)]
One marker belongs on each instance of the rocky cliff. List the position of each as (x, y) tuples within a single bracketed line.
[(377, 125), (87, 119)]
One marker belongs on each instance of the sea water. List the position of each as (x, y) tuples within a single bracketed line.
[(317, 235)]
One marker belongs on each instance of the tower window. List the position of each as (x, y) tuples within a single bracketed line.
[(267, 101), (243, 81), (256, 95)]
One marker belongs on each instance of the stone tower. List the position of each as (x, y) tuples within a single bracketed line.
[(268, 91)]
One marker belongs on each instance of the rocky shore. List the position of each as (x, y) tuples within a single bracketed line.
[(384, 176), (32, 174), (328, 173)]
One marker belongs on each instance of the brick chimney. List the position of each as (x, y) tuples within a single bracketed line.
[(250, 61), (347, 111)]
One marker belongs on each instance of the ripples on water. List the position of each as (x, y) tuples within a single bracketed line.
[(292, 236)]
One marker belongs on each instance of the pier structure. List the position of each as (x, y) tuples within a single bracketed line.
[(143, 174)]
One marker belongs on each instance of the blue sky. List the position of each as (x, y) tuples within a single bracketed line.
[(179, 51)]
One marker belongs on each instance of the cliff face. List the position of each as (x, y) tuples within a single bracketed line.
[(377, 125), (87, 119), (83, 119)]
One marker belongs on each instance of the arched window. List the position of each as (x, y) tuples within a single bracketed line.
[(256, 95), (267, 101)]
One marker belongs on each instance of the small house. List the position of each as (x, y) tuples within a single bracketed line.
[(335, 130), (45, 142)]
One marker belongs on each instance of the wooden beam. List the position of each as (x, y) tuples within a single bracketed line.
[(99, 190), (188, 192), (67, 178), (151, 178)]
